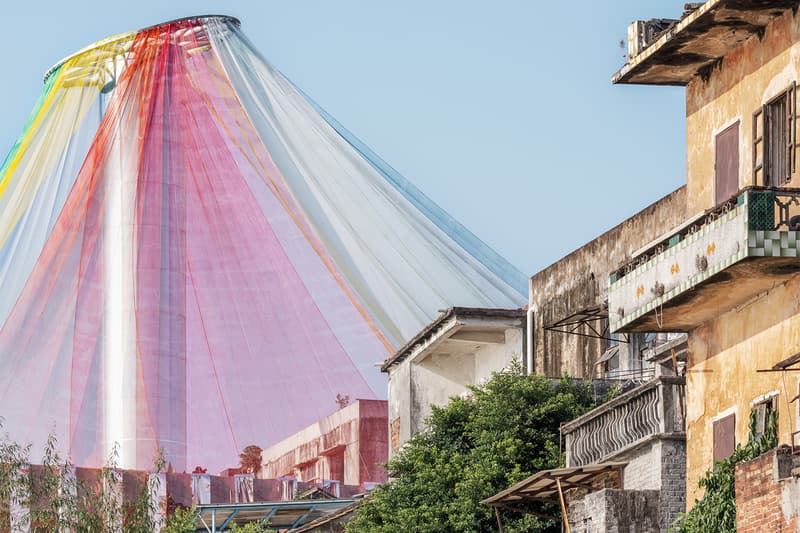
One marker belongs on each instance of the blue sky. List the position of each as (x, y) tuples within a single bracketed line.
[(500, 111)]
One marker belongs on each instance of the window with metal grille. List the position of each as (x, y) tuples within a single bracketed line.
[(775, 139)]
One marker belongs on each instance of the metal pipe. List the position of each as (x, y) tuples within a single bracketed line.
[(529, 343)]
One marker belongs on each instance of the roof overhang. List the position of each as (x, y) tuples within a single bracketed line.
[(459, 324), (543, 486), (698, 41)]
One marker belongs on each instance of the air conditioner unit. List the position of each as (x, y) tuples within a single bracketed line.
[(643, 32)]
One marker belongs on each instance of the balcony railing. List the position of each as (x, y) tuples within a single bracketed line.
[(654, 409), (669, 286)]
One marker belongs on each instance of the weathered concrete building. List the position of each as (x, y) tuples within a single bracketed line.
[(345, 449), (565, 329), (727, 276), (462, 347), (567, 309)]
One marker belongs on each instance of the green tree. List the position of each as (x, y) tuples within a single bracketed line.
[(181, 521), (506, 430), (250, 459)]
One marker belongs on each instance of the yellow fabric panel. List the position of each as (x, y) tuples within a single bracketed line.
[(72, 94)]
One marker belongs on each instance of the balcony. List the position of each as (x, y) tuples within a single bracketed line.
[(617, 428), (710, 264)]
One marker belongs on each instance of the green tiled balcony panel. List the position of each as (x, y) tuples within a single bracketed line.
[(673, 290)]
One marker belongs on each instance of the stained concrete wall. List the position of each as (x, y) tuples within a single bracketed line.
[(580, 280), (355, 435), (616, 511), (493, 357), (414, 387), (435, 380), (748, 77), (399, 406)]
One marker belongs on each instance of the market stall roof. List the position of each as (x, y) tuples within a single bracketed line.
[(280, 515), (543, 486)]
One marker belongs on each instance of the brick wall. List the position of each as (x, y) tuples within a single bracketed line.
[(673, 481), (615, 511), (660, 465), (761, 494)]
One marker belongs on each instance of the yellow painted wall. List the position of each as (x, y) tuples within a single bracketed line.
[(749, 76), (725, 353), (724, 356)]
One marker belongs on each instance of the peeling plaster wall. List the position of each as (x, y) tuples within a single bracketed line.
[(724, 355), (748, 77), (730, 348), (580, 280)]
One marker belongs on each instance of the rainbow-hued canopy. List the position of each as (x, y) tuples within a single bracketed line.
[(194, 256)]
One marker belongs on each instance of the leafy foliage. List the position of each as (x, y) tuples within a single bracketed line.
[(250, 459), (252, 527), (181, 521), (716, 510), (49, 497), (505, 431)]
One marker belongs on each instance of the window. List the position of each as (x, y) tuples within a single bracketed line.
[(726, 164), (763, 410), (774, 140), (724, 437)]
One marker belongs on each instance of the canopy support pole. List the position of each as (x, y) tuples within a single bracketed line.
[(563, 507), (499, 521)]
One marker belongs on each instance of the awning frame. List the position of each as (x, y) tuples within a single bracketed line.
[(543, 486), (588, 317)]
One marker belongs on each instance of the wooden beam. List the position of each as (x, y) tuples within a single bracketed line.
[(481, 337), (563, 506), (499, 522), (523, 511)]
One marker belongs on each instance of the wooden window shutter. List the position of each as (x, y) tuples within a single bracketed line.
[(726, 163), (758, 145), (724, 437), (791, 137)]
